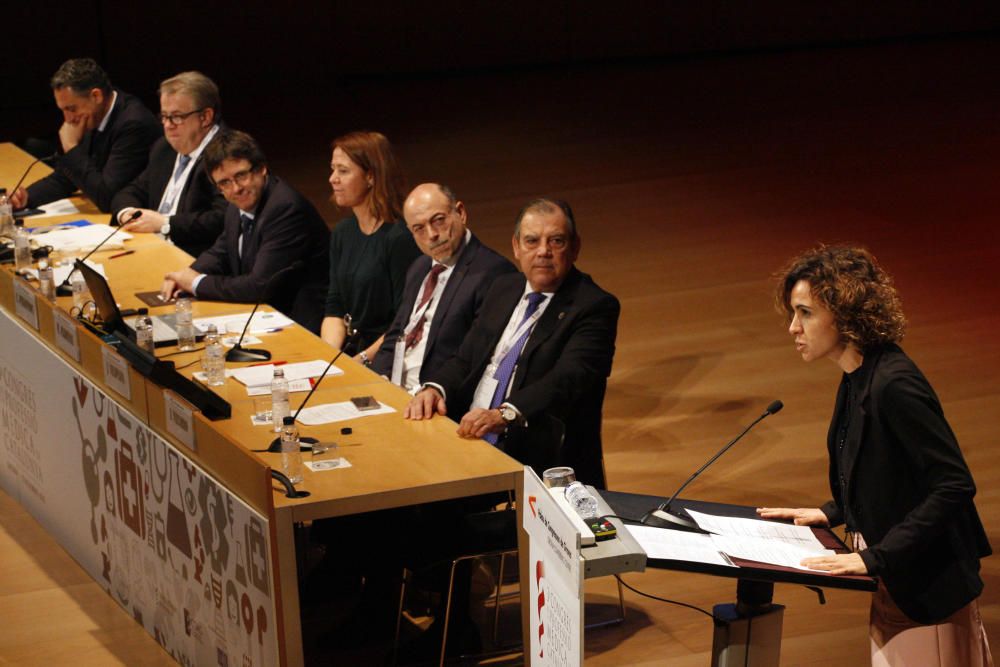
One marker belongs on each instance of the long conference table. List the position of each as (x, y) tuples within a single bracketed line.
[(171, 511)]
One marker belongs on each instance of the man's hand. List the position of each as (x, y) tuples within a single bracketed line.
[(802, 516), (178, 281), (837, 564), (425, 404), (169, 290), (477, 422), (70, 135), (19, 198), (148, 222)]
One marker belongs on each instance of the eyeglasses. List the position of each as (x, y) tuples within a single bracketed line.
[(240, 178), (177, 118)]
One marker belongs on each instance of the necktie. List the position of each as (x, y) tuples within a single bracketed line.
[(246, 226), (182, 163), (168, 202), (417, 333), (506, 368)]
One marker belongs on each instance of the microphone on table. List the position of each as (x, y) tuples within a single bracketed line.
[(30, 167), (275, 445), (63, 288), (238, 352), (663, 510)]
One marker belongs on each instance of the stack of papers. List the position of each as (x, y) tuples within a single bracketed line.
[(261, 323), (82, 239), (338, 412), (747, 539), (255, 376)]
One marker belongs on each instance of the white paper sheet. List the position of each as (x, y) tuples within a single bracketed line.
[(83, 239), (799, 536), (61, 272), (329, 413), (766, 551), (293, 387), (57, 207), (677, 545), (303, 370), (263, 322)]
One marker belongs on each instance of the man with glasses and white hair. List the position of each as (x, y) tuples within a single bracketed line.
[(174, 195), (104, 139), (268, 227)]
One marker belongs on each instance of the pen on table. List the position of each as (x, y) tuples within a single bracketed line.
[(121, 254), (269, 363)]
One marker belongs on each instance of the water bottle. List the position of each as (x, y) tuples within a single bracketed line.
[(22, 248), (6, 215), (185, 324), (291, 454), (279, 398), (144, 331), (46, 278), (78, 285), (581, 500), (214, 362)]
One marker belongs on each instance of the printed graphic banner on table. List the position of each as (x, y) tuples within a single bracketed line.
[(556, 603), (186, 558)]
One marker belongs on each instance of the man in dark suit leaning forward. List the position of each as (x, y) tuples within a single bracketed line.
[(444, 291), (174, 195), (268, 227), (105, 138), (531, 374)]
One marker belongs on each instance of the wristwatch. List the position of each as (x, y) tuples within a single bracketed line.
[(165, 229), (508, 413), (364, 359)]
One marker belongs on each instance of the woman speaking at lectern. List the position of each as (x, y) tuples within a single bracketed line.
[(898, 478)]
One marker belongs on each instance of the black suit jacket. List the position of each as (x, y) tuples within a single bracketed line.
[(460, 302), (909, 491), (286, 229), (103, 162), (561, 376), (201, 208)]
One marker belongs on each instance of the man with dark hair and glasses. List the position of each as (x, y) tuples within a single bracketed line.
[(268, 227), (104, 139), (174, 195)]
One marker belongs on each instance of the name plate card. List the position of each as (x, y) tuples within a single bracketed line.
[(116, 373), (24, 303), (66, 334), (180, 420)]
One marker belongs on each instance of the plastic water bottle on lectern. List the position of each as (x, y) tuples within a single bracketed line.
[(184, 324), (144, 331), (22, 248), (279, 398), (6, 215), (46, 277), (291, 454), (214, 362), (581, 500)]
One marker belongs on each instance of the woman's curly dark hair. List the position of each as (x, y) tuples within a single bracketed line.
[(860, 294)]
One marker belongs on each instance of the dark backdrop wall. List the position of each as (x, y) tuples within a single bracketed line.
[(268, 56)]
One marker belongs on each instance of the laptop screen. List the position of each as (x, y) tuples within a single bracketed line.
[(107, 308)]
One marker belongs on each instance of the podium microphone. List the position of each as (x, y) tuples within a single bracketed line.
[(238, 352), (275, 445), (30, 167), (663, 511), (63, 288)]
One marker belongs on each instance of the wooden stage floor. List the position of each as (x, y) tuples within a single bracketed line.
[(693, 181)]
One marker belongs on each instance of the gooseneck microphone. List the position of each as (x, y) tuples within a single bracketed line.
[(275, 445), (63, 288), (30, 167), (238, 352), (663, 511)]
